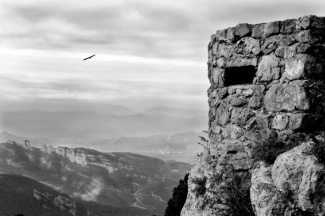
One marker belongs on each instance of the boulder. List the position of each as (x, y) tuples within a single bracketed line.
[(266, 199), (298, 173)]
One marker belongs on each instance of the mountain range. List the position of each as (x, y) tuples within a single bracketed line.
[(99, 123), (179, 147), (124, 183)]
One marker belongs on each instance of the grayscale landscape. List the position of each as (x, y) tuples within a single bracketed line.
[(174, 108)]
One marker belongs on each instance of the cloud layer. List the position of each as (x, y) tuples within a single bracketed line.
[(146, 50)]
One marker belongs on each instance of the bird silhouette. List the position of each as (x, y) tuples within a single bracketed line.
[(89, 57)]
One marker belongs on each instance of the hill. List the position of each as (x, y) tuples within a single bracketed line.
[(22, 195), (119, 180)]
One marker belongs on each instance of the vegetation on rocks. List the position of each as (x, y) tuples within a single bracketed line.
[(176, 203), (200, 185), (318, 149), (238, 196), (269, 150)]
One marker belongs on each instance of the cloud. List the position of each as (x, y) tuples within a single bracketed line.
[(152, 51), (166, 30)]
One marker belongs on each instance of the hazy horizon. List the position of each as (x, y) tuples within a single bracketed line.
[(148, 54)]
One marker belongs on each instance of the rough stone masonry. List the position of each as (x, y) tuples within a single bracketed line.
[(266, 80)]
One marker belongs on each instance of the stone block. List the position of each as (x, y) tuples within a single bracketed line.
[(302, 66), (215, 48), (270, 44), (258, 30), (271, 28), (210, 56), (285, 52), (221, 34), (296, 121), (217, 76), (230, 34), (243, 30), (256, 100), (280, 121), (221, 62), (216, 128), (287, 97), (257, 135), (240, 62), (268, 69), (240, 116), (286, 40), (310, 22), (222, 92), (288, 26), (304, 48), (225, 51), (236, 101), (251, 45), (310, 36), (232, 132), (222, 114), (305, 122)]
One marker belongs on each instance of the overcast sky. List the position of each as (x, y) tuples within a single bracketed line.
[(148, 53)]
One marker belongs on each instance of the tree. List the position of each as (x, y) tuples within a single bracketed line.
[(176, 203)]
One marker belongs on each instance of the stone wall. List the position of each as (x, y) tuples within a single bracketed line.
[(267, 80)]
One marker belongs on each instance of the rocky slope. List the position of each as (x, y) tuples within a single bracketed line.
[(21, 195), (293, 185), (266, 96), (114, 179)]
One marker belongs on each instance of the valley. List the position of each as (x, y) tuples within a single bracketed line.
[(117, 180)]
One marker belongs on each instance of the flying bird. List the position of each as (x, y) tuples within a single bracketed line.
[(89, 57)]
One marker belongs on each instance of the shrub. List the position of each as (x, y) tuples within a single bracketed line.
[(200, 185), (269, 150), (176, 203), (238, 196), (319, 150)]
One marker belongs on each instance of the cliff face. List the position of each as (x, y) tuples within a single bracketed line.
[(267, 82), (119, 180)]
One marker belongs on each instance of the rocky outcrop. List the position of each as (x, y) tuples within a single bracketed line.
[(267, 81), (111, 180), (293, 185), (74, 155), (63, 203)]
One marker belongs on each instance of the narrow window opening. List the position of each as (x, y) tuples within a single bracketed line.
[(239, 75)]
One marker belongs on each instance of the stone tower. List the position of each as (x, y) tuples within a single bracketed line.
[(267, 80)]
